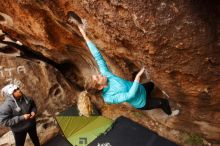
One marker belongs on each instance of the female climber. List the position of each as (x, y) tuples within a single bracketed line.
[(116, 90)]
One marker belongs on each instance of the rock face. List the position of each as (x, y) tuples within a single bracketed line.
[(41, 81), (37, 79), (177, 41)]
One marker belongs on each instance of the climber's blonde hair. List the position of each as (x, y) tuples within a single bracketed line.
[(84, 104), (92, 86)]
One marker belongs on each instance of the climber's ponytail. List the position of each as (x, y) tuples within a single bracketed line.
[(84, 104)]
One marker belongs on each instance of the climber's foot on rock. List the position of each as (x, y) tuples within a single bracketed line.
[(166, 107)]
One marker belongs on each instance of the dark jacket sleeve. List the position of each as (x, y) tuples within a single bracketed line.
[(6, 117), (33, 105)]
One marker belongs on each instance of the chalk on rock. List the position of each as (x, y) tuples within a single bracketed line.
[(175, 112)]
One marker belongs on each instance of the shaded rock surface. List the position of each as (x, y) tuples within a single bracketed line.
[(177, 41), (48, 88), (37, 79)]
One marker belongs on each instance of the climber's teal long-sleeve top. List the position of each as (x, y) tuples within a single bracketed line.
[(118, 89)]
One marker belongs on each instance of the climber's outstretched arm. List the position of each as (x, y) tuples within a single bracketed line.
[(95, 52), (83, 33)]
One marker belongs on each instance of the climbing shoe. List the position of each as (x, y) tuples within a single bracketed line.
[(166, 107)]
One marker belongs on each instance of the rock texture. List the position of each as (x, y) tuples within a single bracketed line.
[(40, 80), (177, 41), (45, 84)]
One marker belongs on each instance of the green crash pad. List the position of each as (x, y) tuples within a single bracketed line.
[(80, 130)]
